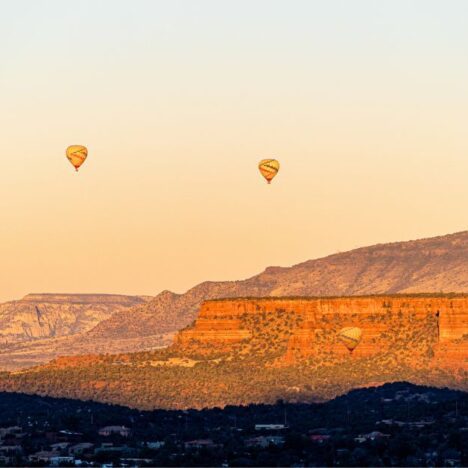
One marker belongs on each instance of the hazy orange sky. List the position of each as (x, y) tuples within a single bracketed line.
[(364, 103)]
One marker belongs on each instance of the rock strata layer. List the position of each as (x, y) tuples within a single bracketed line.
[(387, 322)]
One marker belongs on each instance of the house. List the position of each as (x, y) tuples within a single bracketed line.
[(70, 433), (371, 436), (320, 438), (420, 424), (414, 424), (135, 461), (65, 432), (156, 444), (42, 456), (270, 427), (8, 454), (8, 450), (79, 449), (264, 441), (113, 430), (200, 443), (110, 448), (60, 460), (59, 446), (387, 422), (106, 445)]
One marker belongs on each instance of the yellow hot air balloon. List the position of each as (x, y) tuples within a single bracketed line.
[(269, 168), (350, 337), (77, 154)]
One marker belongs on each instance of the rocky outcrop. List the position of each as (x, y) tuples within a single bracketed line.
[(259, 350), (89, 325), (39, 316), (309, 326), (438, 264)]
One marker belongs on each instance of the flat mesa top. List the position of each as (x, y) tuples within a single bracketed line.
[(462, 295), (79, 298)]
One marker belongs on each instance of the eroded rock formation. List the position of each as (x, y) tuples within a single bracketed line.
[(438, 264), (39, 316), (432, 326)]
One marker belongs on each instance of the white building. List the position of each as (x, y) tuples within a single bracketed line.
[(111, 430), (270, 427)]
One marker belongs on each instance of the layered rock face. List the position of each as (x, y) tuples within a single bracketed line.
[(438, 264), (39, 316), (308, 327), (99, 323), (258, 350)]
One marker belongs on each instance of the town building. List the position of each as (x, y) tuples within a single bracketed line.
[(113, 430)]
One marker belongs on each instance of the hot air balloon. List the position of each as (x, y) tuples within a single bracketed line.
[(77, 154), (269, 168), (350, 337)]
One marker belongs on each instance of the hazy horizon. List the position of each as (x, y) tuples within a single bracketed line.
[(364, 104), (232, 279)]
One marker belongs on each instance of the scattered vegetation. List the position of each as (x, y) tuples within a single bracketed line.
[(201, 374), (393, 425)]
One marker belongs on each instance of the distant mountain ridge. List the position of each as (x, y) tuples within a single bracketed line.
[(67, 298), (438, 264), (39, 316)]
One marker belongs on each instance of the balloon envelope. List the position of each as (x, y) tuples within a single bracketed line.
[(269, 168), (350, 337), (77, 155)]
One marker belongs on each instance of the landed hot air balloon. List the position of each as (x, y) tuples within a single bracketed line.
[(77, 155), (350, 337), (269, 168)]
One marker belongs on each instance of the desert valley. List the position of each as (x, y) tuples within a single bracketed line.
[(273, 336)]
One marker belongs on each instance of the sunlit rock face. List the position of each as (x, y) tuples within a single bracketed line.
[(259, 350), (438, 264), (39, 316), (80, 324), (435, 327)]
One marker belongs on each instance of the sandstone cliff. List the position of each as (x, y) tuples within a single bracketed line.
[(437, 264), (254, 350), (299, 330)]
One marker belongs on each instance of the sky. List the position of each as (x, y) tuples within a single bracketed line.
[(364, 103)]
